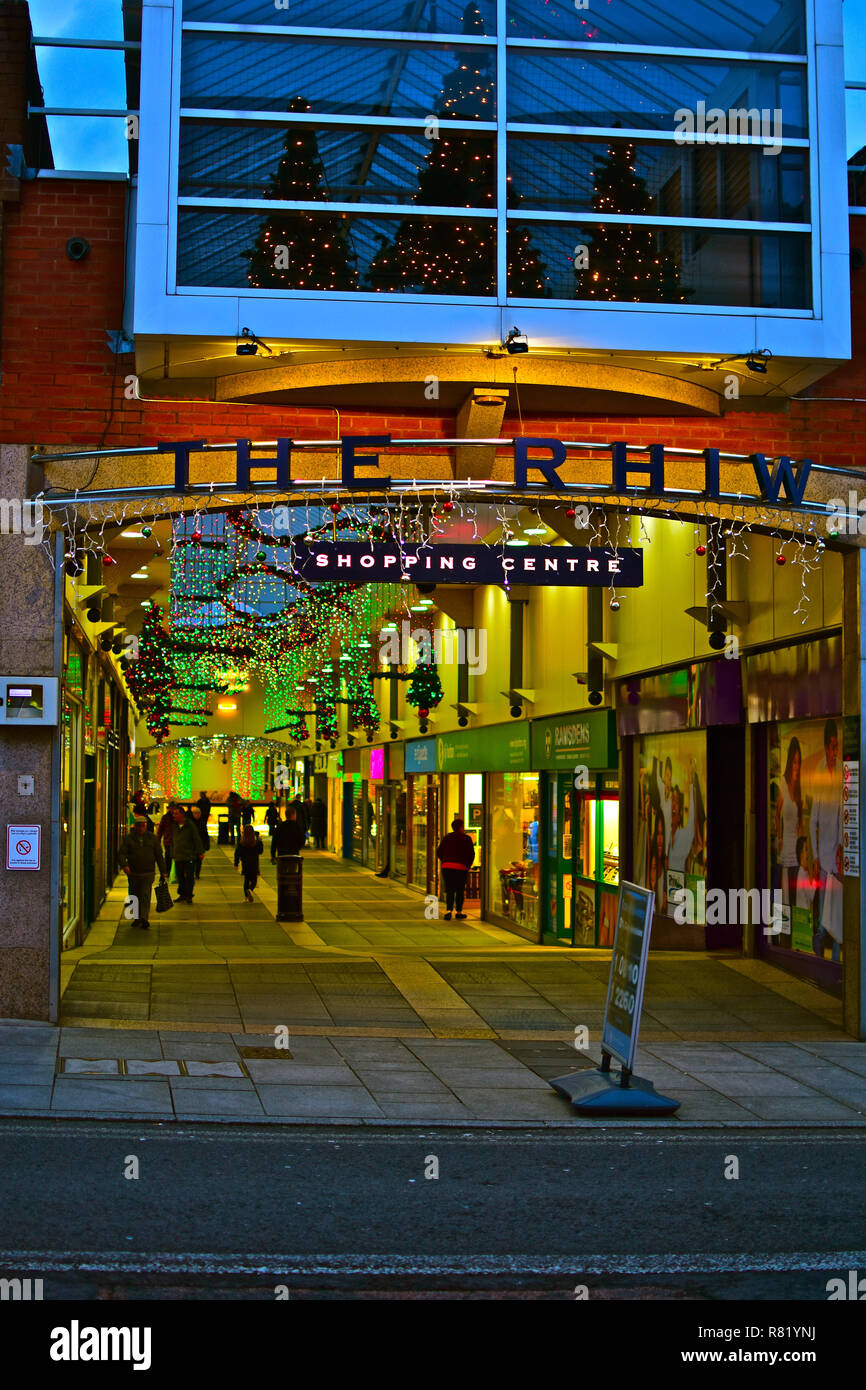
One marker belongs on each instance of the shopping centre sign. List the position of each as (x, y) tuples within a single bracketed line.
[(386, 561)]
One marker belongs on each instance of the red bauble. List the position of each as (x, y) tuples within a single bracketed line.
[(423, 712), (107, 560), (196, 535), (570, 512), (780, 559), (336, 507), (700, 550), (447, 506)]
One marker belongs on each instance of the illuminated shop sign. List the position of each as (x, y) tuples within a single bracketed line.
[(535, 462), (383, 561)]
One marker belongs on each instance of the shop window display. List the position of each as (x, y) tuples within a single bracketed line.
[(805, 834), (512, 883), (670, 845)]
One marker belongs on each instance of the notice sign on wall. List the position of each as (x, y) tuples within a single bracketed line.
[(23, 846), (851, 818)]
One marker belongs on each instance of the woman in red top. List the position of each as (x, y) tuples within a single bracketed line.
[(455, 853)]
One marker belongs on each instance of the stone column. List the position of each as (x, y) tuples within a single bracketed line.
[(30, 645)]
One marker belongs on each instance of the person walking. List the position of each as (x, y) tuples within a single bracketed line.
[(247, 857), (289, 834), (272, 820), (297, 809), (201, 826), (455, 853), (233, 802), (139, 806), (205, 805), (187, 849), (164, 833), (247, 812), (319, 822), (308, 816), (140, 856)]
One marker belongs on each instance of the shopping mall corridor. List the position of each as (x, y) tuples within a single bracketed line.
[(366, 960)]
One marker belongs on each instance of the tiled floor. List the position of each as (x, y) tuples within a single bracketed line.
[(225, 965)]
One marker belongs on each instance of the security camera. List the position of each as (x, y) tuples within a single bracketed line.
[(77, 247), (757, 361), (516, 341), (463, 720), (595, 697), (516, 711), (422, 727)]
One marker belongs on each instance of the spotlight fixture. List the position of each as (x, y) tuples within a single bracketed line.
[(757, 361), (516, 341), (422, 727), (350, 740), (94, 612), (717, 641), (248, 344), (594, 697), (393, 731), (425, 588), (516, 711), (463, 720)]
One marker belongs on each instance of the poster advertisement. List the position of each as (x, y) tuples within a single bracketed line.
[(670, 849), (806, 832)]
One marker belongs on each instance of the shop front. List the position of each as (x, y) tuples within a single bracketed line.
[(422, 796), (576, 755), (374, 779), (72, 722), (806, 791), (487, 781), (682, 736), (395, 803)]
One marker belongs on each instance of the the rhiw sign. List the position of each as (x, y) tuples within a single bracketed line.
[(384, 561)]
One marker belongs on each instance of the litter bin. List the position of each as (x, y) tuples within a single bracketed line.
[(290, 888), (223, 830)]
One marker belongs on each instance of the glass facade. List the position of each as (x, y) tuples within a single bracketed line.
[(424, 153), (512, 865)]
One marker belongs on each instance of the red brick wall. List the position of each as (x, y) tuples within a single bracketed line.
[(61, 385)]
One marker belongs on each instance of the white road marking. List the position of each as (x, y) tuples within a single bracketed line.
[(205, 1263)]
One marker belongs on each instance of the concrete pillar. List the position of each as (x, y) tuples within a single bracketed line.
[(854, 889), (30, 645)]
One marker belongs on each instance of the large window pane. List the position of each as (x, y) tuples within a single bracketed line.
[(400, 16), (763, 26), (670, 265), (222, 159), (557, 174), (332, 251), (580, 90), (358, 79)]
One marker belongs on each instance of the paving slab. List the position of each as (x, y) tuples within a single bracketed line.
[(291, 1073), (119, 1095), (218, 1104), (215, 1068), (350, 1102)]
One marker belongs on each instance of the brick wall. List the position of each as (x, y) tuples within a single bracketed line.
[(61, 385)]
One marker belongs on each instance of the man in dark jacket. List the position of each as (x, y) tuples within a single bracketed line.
[(455, 853), (187, 848), (319, 822), (139, 856), (289, 835), (233, 804), (272, 820), (204, 805)]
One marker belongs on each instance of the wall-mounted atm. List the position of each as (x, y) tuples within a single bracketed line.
[(28, 700)]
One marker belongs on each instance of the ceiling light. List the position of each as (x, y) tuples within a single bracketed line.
[(227, 706), (535, 530), (140, 574), (516, 542), (424, 603), (133, 535)]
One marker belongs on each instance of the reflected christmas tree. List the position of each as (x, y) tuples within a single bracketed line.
[(301, 250), (444, 255), (625, 262)]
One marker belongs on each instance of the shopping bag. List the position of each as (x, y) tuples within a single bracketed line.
[(163, 896)]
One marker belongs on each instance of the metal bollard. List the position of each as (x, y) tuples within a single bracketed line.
[(290, 888)]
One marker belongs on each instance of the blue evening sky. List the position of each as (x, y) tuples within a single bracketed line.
[(76, 77)]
